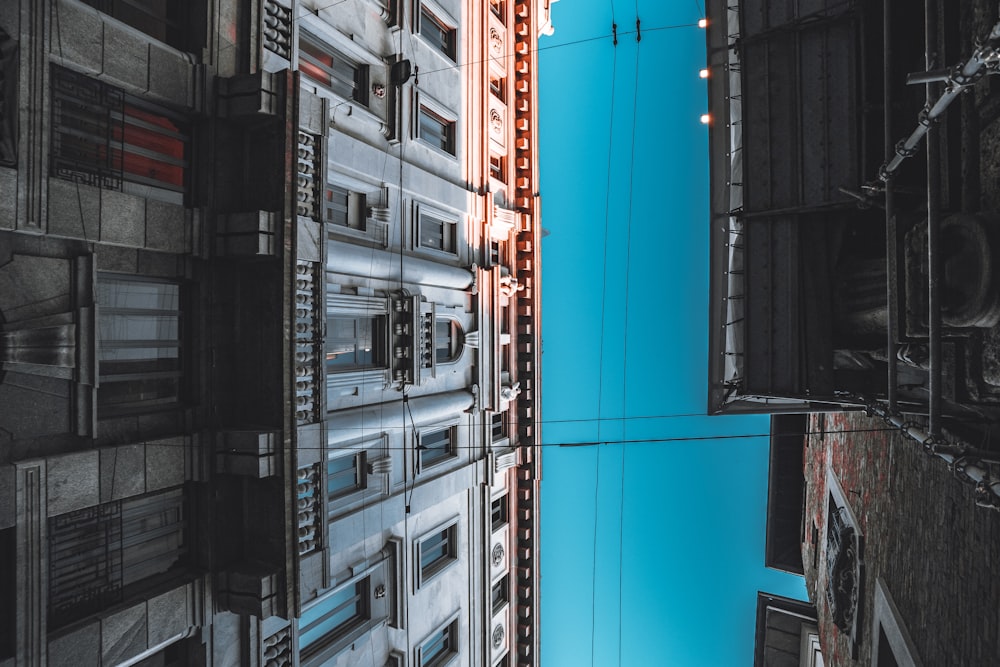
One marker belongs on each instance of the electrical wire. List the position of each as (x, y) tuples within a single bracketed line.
[(595, 443), (575, 42), (600, 372)]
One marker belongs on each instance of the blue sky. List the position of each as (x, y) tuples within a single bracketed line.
[(691, 518)]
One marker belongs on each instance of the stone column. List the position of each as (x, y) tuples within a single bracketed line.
[(380, 264)]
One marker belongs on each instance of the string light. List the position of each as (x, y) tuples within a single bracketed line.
[(703, 73), (702, 23), (705, 119)]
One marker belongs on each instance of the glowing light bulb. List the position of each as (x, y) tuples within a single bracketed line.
[(703, 73), (705, 119), (702, 23)]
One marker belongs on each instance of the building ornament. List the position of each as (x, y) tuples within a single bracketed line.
[(498, 635), (509, 285), (496, 556), (509, 392), (496, 42)]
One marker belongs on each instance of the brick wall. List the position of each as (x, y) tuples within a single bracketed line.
[(938, 554)]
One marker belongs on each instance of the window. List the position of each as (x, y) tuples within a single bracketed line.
[(354, 343), (139, 348), (437, 551), (441, 36), (436, 446), (345, 208), (345, 475), (499, 8), (498, 168), (498, 426), (334, 616), (447, 340), (103, 555), (437, 233), (440, 647), (333, 69), (498, 86), (105, 137), (165, 20), (437, 131), (498, 512), (499, 594)]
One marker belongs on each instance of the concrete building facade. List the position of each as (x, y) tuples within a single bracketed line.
[(269, 326)]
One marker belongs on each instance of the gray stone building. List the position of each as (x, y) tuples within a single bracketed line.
[(269, 318)]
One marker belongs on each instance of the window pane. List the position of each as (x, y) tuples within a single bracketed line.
[(439, 646), (498, 512), (443, 343), (499, 594), (435, 446), (436, 233), (438, 34), (333, 614), (343, 475), (431, 233), (350, 343), (434, 549), (139, 350), (437, 131), (332, 69)]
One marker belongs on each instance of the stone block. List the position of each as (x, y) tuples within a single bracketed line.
[(165, 463), (126, 56), (311, 242), (160, 265), (123, 472), (169, 615), (123, 635), (80, 647), (72, 482), (170, 76), (226, 638), (116, 259), (8, 203), (78, 34), (32, 286), (123, 219), (74, 209), (36, 406), (166, 227)]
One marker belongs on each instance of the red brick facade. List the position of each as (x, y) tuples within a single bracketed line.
[(924, 537)]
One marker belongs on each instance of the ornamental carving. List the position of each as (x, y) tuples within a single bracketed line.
[(843, 570), (496, 556), (496, 42), (496, 122), (498, 636)]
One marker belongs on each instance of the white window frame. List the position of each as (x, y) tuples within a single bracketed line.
[(361, 79), (442, 563), (455, 222), (422, 103), (364, 451), (444, 21), (452, 451), (454, 628)]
